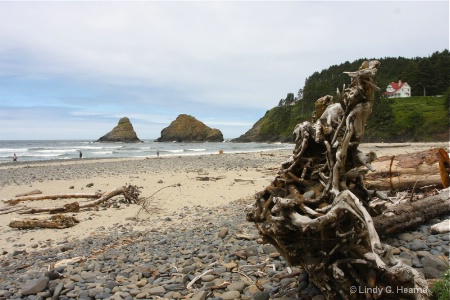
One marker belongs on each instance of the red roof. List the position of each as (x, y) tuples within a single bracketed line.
[(396, 86)]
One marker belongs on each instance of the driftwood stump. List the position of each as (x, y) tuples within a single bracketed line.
[(315, 211)]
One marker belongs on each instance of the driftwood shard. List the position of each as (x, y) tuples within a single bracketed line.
[(51, 197), (315, 212), (57, 221), (444, 167), (34, 192)]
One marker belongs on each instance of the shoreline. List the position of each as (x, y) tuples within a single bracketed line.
[(382, 148), (231, 177)]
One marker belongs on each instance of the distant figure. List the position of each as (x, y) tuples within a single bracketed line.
[(81, 154), (157, 152), (14, 158)]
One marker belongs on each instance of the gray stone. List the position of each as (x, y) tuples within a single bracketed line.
[(230, 295), (35, 286), (208, 277), (417, 245), (174, 287), (422, 253), (434, 262), (268, 249), (261, 296), (95, 291), (157, 290), (58, 289), (251, 251), (223, 232), (406, 236), (201, 295), (236, 286), (431, 273)]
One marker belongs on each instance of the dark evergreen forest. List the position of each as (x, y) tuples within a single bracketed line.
[(427, 76), (422, 117)]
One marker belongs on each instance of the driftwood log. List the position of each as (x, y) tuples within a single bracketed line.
[(315, 212), (405, 171), (410, 214), (130, 192), (59, 221), (14, 201)]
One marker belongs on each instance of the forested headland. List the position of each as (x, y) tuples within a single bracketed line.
[(420, 118)]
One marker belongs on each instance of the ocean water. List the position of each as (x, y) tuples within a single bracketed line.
[(58, 149)]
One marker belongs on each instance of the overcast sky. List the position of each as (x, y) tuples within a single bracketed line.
[(71, 70)]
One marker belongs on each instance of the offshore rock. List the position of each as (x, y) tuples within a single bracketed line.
[(188, 129), (123, 132)]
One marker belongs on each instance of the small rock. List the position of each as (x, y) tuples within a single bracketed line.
[(223, 232), (406, 236), (434, 262), (89, 185), (208, 278), (201, 295), (157, 290), (442, 227), (417, 245), (261, 296), (236, 286), (35, 286), (230, 295)]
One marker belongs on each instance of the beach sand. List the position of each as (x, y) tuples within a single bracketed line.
[(171, 183)]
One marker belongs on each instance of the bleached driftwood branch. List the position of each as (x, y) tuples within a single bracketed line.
[(130, 192)]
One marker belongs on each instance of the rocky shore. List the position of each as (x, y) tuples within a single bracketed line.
[(197, 250), (217, 246)]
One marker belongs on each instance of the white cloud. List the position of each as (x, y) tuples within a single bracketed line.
[(208, 59)]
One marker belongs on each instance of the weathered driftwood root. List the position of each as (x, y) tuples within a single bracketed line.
[(130, 192), (340, 250), (57, 221), (409, 214), (315, 212), (404, 171)]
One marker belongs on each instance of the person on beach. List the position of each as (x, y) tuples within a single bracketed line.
[(157, 152), (14, 158), (81, 154)]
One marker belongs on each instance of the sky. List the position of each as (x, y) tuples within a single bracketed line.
[(71, 70)]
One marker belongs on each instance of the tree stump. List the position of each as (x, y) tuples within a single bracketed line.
[(315, 211)]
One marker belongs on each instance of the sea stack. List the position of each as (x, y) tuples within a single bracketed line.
[(123, 133), (188, 129)]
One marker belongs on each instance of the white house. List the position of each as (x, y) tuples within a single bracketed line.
[(398, 90)]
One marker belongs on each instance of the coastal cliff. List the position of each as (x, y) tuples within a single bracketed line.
[(123, 132), (188, 129), (275, 126)]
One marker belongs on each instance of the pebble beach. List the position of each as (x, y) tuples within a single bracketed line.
[(192, 243)]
